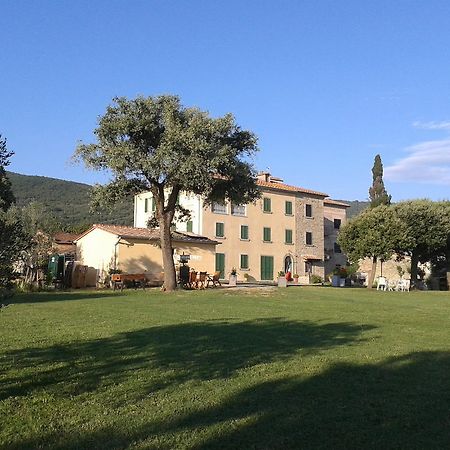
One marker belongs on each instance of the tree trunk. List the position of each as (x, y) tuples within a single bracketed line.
[(414, 264), (372, 273), (170, 280)]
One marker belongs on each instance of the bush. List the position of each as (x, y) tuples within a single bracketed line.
[(316, 279)]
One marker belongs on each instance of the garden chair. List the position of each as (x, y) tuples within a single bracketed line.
[(201, 281), (214, 280), (381, 284), (193, 280)]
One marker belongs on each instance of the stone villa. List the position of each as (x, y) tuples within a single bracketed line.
[(288, 229)]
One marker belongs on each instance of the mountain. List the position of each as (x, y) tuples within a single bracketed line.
[(356, 206), (67, 201)]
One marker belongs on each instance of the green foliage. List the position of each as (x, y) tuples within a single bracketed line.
[(316, 279), (428, 227), (14, 241), (6, 194), (377, 192), (376, 232)]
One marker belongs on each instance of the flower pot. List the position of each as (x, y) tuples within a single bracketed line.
[(336, 281), (233, 280), (282, 282), (296, 280)]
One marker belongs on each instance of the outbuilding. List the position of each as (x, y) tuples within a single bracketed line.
[(108, 248)]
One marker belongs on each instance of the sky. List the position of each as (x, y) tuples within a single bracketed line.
[(324, 84)]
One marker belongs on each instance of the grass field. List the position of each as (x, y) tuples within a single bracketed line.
[(242, 369)]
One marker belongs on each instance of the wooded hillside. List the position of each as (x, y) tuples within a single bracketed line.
[(67, 201)]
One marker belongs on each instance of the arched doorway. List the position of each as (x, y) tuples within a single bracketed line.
[(288, 264)]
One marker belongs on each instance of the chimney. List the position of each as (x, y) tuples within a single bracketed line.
[(263, 176)]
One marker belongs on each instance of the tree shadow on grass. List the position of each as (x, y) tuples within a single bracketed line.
[(167, 354), (402, 402)]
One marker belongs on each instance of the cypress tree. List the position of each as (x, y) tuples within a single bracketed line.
[(377, 192)]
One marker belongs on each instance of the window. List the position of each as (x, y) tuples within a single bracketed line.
[(309, 239), (220, 264), (220, 229), (308, 210), (288, 208), (337, 224), (244, 262), (189, 226), (237, 210), (337, 248), (146, 205), (266, 267), (219, 208), (244, 232), (267, 205), (288, 236), (267, 234), (153, 204)]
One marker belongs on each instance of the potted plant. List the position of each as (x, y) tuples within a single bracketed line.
[(296, 276), (246, 277), (233, 277), (282, 282)]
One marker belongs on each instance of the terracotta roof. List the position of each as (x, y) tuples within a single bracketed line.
[(148, 234), (65, 238), (287, 187), (311, 257), (329, 201)]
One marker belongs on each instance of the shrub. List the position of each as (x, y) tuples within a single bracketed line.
[(316, 279)]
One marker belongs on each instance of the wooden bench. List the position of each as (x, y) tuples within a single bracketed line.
[(119, 280)]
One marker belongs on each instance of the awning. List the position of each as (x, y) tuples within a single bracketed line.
[(311, 258)]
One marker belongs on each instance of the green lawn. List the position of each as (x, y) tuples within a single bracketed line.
[(267, 369)]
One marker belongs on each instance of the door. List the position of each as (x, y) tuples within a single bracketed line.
[(267, 268), (220, 264), (287, 264)]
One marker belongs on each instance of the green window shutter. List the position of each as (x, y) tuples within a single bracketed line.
[(267, 234), (288, 236), (244, 231), (189, 226), (220, 229), (266, 267), (146, 205), (244, 261), (220, 264), (288, 208), (267, 204), (153, 204)]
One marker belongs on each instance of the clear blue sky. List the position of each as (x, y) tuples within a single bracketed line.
[(324, 84)]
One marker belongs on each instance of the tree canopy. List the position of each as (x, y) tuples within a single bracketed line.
[(375, 234), (427, 224), (6, 194), (156, 144)]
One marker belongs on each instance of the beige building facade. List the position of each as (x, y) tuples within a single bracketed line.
[(284, 230), (136, 250)]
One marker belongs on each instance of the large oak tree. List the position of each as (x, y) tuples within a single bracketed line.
[(156, 144)]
